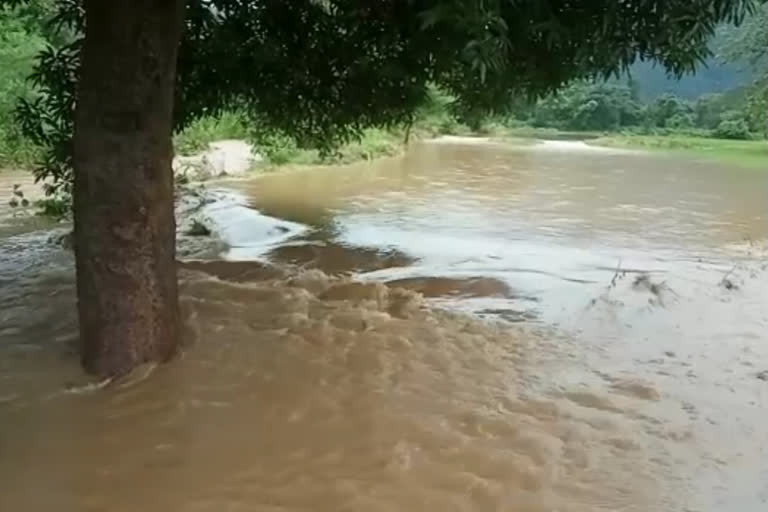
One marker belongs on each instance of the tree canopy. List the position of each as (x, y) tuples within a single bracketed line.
[(749, 43), (321, 68)]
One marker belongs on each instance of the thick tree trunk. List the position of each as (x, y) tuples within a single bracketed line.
[(123, 195)]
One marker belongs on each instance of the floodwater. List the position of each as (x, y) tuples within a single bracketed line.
[(471, 327)]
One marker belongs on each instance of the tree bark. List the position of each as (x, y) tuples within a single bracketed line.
[(125, 232)]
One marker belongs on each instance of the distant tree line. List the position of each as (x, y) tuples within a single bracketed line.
[(740, 60), (606, 106)]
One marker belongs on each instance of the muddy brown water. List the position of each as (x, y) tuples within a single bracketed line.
[(472, 327)]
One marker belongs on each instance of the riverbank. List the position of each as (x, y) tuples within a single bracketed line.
[(746, 153), (277, 150), (743, 153)]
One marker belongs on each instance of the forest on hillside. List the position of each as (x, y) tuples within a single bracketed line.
[(725, 98)]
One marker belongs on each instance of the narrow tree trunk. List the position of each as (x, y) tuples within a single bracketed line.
[(123, 194)]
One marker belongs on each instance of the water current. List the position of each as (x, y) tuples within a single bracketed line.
[(473, 326)]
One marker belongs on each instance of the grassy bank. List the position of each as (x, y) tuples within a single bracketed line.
[(373, 143), (280, 150), (17, 152), (748, 153)]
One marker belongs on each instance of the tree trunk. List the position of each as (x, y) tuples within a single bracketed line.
[(123, 193)]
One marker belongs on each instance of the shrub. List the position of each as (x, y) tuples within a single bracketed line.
[(197, 135), (736, 129), (680, 121)]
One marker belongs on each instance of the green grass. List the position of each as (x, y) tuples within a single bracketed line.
[(748, 153), (17, 152), (281, 150), (197, 135), (374, 143)]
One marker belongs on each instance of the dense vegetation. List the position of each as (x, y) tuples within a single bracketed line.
[(605, 106), (22, 37)]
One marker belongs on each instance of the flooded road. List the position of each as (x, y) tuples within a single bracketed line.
[(472, 327)]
